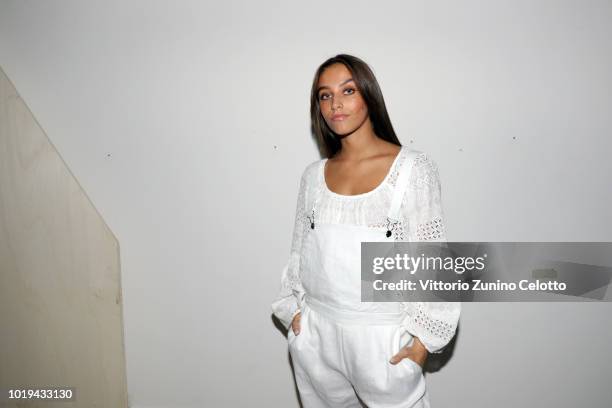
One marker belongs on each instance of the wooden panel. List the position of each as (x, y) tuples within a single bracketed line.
[(60, 289)]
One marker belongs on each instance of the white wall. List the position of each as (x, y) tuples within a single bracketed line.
[(187, 123)]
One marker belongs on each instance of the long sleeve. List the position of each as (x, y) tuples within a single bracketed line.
[(434, 323), (288, 302)]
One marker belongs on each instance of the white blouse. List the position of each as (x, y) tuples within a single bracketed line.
[(434, 323)]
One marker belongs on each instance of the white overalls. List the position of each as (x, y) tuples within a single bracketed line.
[(344, 346)]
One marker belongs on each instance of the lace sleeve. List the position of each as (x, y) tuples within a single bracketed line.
[(287, 303), (434, 323)]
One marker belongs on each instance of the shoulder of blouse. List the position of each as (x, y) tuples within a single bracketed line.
[(425, 166), (310, 173)]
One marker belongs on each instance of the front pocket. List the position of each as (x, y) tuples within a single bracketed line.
[(291, 336), (413, 363), (403, 339)]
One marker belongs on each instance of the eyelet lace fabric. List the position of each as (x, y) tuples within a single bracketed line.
[(434, 323)]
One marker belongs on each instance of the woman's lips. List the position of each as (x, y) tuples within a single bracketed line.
[(338, 117)]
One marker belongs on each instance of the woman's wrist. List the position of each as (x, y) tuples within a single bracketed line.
[(420, 351)]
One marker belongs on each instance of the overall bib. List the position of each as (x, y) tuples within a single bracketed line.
[(344, 346)]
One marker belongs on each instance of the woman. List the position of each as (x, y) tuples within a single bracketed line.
[(368, 188)]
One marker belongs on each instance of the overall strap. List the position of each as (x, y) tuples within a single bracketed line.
[(401, 185), (312, 198)]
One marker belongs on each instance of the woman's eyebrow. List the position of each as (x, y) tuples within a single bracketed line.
[(340, 84)]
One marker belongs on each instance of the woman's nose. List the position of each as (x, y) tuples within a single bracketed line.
[(336, 103)]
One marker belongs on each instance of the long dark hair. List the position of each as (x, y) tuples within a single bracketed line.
[(366, 83)]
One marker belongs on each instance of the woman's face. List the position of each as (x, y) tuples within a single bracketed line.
[(341, 104)]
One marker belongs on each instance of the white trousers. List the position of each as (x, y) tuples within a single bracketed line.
[(339, 356)]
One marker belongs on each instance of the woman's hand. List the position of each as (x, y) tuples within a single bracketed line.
[(417, 353), (295, 323)]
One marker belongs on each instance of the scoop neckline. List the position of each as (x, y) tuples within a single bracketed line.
[(367, 193)]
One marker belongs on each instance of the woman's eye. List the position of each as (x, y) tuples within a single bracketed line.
[(349, 90)]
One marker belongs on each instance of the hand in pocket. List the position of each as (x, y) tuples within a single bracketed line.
[(417, 353), (295, 323)]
